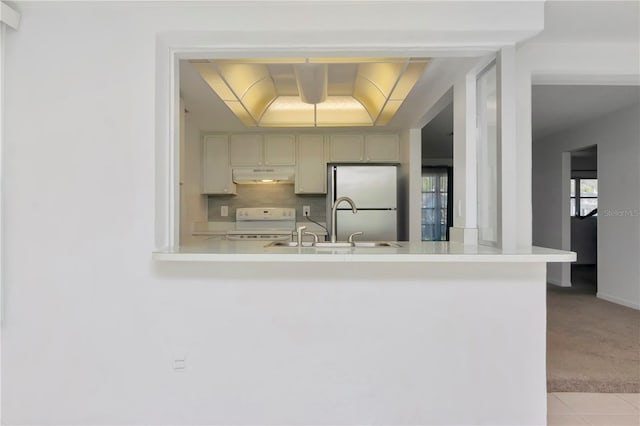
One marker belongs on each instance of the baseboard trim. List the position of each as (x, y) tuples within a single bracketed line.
[(559, 283), (617, 300)]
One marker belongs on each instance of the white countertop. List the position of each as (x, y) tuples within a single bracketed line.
[(242, 251)]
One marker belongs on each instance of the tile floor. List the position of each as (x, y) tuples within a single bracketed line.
[(596, 409)]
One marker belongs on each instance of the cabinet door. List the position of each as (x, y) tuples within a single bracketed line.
[(216, 173), (381, 148), (347, 148), (279, 150), (246, 150), (311, 169)]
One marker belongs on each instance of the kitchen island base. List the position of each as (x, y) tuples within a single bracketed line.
[(358, 343)]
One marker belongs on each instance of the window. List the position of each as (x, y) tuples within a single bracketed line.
[(435, 202), (584, 196)]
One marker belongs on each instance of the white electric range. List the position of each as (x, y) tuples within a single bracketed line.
[(263, 224)]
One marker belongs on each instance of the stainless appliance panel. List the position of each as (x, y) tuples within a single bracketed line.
[(370, 187), (376, 225)]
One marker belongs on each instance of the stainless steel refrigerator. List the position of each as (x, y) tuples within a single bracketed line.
[(374, 190)]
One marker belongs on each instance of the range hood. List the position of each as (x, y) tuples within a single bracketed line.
[(263, 175)]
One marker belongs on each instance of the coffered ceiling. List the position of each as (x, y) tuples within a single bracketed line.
[(308, 92)]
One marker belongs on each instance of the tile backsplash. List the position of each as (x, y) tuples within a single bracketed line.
[(279, 195)]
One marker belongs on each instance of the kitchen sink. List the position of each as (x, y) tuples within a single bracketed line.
[(339, 244), (376, 244), (288, 244)]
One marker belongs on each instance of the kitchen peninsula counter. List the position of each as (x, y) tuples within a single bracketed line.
[(234, 251), (426, 333)]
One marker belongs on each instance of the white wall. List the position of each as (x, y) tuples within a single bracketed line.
[(616, 136), (563, 63), (570, 61), (409, 175), (455, 83), (437, 139), (193, 203), (91, 323)]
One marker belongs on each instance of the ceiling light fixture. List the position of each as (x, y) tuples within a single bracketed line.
[(257, 95), (312, 81)]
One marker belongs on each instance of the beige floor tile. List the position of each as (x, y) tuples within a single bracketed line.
[(612, 419), (555, 406), (565, 420), (632, 398), (596, 403)]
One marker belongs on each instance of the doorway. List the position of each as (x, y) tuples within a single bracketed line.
[(437, 176), (584, 219), (437, 215)]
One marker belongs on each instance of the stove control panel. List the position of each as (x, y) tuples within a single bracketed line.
[(265, 213)]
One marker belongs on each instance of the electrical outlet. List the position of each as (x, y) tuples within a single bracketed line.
[(224, 211), (306, 210), (179, 363)]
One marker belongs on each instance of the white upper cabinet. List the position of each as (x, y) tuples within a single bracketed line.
[(279, 150), (361, 148), (259, 150), (246, 150), (311, 168), (348, 148), (216, 173), (309, 154), (381, 148)]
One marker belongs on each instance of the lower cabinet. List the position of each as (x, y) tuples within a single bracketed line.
[(311, 169), (216, 172)]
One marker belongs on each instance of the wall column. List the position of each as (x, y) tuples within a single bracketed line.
[(9, 18), (508, 170), (464, 203), (524, 156)]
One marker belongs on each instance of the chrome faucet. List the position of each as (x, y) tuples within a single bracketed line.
[(334, 214), (350, 239), (301, 232)]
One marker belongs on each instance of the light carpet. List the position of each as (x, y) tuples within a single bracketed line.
[(592, 345)]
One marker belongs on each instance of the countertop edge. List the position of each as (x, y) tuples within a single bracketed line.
[(363, 258)]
